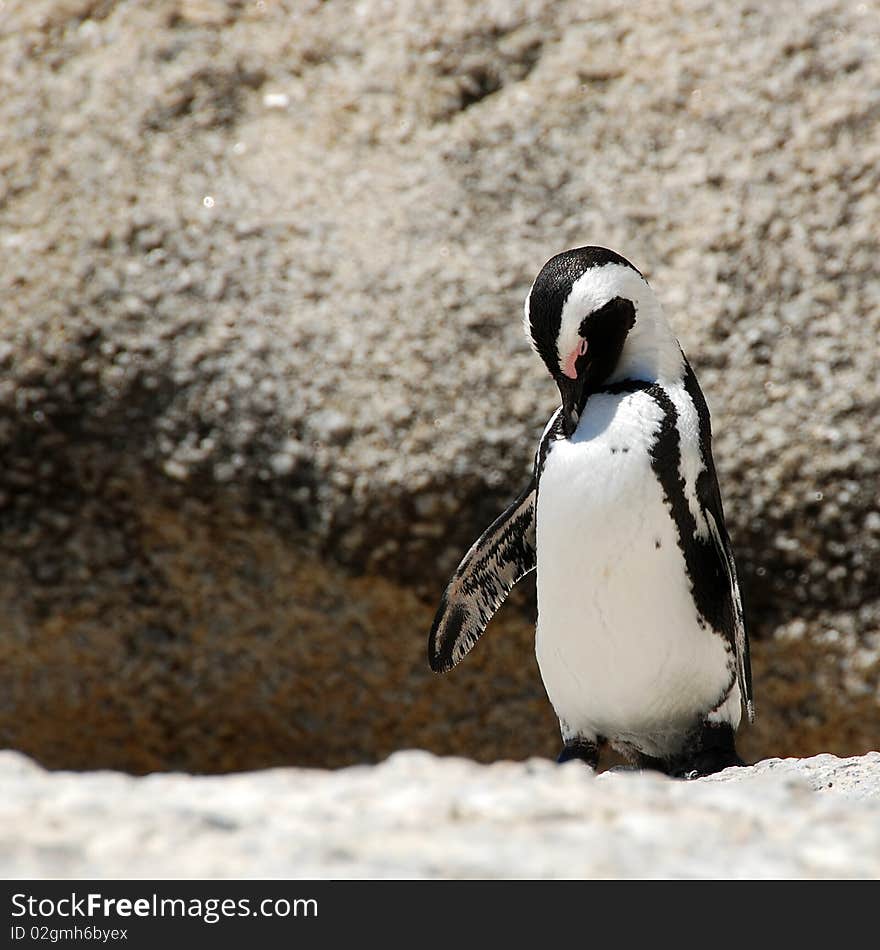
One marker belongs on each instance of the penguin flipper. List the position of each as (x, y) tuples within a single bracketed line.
[(504, 553), (740, 638), (709, 497)]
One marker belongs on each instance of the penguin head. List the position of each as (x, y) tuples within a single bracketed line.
[(592, 318)]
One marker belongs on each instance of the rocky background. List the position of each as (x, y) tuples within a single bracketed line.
[(263, 379)]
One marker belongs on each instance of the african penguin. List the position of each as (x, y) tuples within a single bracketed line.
[(640, 638)]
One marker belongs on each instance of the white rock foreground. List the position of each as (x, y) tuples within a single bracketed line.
[(418, 816)]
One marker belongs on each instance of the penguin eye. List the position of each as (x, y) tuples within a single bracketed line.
[(582, 347), (616, 311)]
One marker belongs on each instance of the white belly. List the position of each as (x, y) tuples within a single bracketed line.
[(619, 642)]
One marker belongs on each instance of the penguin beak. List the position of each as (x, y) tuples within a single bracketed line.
[(571, 384), (572, 391)]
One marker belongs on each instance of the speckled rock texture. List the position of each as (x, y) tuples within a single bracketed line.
[(263, 379), (418, 816)]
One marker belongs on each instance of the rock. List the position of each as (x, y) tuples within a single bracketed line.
[(415, 815), (263, 375)]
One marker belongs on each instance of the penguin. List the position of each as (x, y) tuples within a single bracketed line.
[(640, 638)]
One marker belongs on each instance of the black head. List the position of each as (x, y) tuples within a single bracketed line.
[(578, 314)]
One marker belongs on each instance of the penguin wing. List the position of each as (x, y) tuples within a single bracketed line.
[(504, 553), (721, 541), (709, 498)]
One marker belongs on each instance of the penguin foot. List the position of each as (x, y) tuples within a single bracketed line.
[(707, 765), (581, 749), (712, 750), (641, 764)]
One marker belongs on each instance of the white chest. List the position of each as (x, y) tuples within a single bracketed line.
[(619, 643)]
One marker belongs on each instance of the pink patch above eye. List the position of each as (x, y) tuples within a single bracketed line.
[(569, 369)]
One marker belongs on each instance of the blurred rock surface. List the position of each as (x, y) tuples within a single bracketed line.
[(418, 816)]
